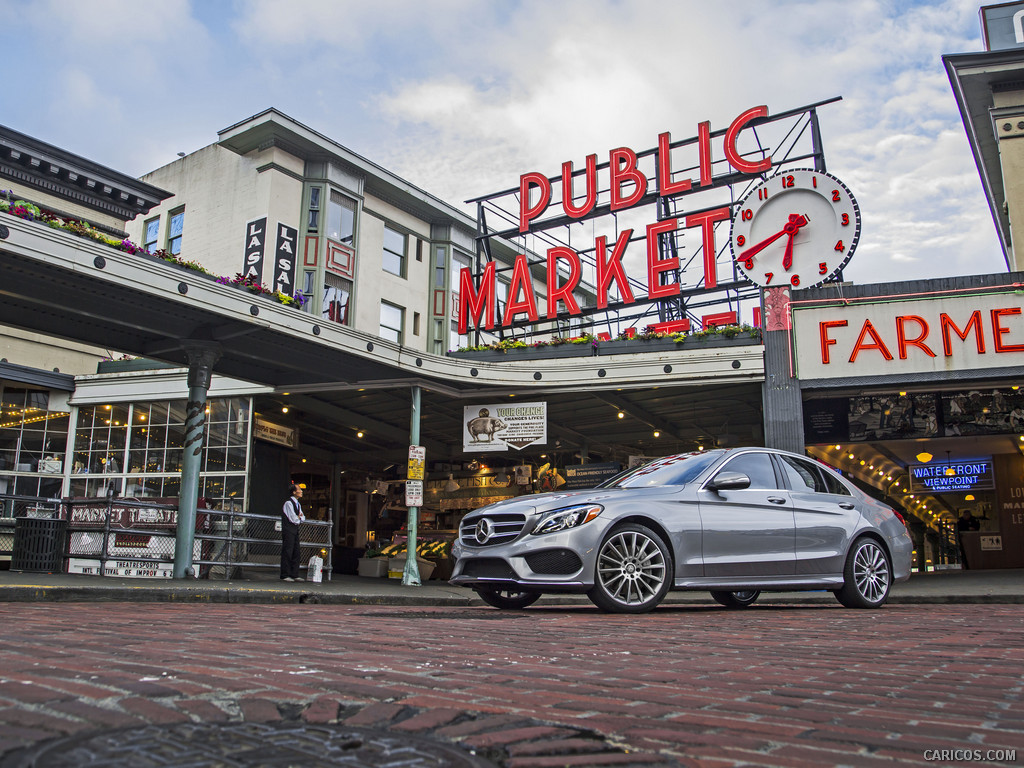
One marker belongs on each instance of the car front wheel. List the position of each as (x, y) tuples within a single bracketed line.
[(508, 599), (633, 572), (867, 576), (736, 599)]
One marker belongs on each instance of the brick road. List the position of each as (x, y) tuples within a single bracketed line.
[(685, 685)]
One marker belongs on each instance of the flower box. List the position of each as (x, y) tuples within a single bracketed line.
[(396, 567), (547, 351), (642, 346), (374, 567)]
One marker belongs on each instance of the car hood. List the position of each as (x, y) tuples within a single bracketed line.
[(545, 502)]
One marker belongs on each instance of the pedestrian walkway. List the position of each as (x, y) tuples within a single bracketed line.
[(953, 586)]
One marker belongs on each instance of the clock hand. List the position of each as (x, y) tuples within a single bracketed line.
[(791, 228), (795, 222)]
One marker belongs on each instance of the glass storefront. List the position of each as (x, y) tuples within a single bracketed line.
[(33, 440), (135, 449)]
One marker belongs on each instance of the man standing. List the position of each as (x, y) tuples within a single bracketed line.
[(291, 516)]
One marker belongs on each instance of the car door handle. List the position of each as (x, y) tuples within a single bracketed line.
[(846, 505), (776, 500)]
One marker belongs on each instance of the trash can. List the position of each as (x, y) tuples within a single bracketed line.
[(38, 544)]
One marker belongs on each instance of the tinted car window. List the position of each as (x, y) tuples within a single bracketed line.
[(802, 475), (833, 483), (756, 466), (671, 470)]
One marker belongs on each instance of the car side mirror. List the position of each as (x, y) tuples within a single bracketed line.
[(729, 481)]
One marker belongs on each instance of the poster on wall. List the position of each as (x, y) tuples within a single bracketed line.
[(879, 416), (498, 426), (255, 240), (983, 412), (284, 260)]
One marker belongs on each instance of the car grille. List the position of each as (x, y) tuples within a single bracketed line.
[(560, 562), (504, 528), (488, 568)]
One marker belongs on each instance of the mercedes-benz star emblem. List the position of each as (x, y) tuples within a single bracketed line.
[(484, 530)]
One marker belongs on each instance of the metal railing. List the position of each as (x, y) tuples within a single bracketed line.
[(132, 537)]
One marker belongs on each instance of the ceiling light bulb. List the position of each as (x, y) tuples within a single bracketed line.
[(622, 415), (284, 409), (359, 434)]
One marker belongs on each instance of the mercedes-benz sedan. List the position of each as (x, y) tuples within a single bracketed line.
[(734, 522)]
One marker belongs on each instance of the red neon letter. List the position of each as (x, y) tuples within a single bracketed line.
[(826, 341), (609, 269), (473, 304), (665, 184), (998, 331), (706, 221), (567, 192), (733, 154), (704, 149), (626, 172), (526, 211), (520, 282), (979, 333), (904, 342), (656, 265), (869, 330), (563, 292)]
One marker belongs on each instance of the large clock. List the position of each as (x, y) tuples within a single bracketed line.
[(796, 228)]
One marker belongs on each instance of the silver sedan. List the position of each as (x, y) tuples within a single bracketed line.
[(734, 522)]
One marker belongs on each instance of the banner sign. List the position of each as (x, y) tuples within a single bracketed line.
[(496, 426), (275, 433), (589, 475), (255, 240), (886, 338), (950, 476), (284, 260)]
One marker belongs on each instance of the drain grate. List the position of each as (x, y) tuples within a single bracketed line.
[(274, 745)]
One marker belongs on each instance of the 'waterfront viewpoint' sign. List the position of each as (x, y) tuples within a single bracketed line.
[(952, 476)]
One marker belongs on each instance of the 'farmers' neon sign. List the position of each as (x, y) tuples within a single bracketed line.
[(628, 187)]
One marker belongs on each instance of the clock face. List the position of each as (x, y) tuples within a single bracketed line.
[(795, 229)]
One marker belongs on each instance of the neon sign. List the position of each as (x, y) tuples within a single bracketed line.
[(628, 187)]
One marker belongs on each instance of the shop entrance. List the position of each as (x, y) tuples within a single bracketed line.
[(949, 460)]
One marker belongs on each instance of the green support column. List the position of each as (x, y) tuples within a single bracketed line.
[(411, 574), (201, 359)]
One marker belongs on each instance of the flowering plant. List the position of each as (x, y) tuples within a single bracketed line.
[(30, 212)]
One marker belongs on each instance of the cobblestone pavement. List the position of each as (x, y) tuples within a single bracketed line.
[(686, 685)]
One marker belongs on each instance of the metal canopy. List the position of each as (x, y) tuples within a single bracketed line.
[(340, 381)]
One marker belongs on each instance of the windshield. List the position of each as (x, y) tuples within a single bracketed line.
[(671, 470)]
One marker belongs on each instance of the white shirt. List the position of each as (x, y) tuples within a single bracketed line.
[(293, 511)]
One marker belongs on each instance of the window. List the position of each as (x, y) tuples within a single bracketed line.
[(341, 219), (802, 475), (393, 258), (415, 323), (313, 222), (391, 322), (136, 449), (174, 232), (337, 292), (308, 283), (150, 233), (439, 267), (32, 439), (756, 466)]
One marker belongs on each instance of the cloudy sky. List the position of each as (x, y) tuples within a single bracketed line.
[(462, 96)]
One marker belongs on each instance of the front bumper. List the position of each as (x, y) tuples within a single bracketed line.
[(556, 562)]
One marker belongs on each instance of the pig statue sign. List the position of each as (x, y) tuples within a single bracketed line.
[(496, 427)]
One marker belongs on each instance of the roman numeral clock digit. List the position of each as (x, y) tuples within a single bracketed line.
[(800, 235)]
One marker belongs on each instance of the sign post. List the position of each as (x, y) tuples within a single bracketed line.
[(417, 464)]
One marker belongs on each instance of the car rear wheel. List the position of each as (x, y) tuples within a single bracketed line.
[(507, 599), (867, 576), (736, 599), (633, 571)]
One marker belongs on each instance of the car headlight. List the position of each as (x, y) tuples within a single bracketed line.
[(570, 517)]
